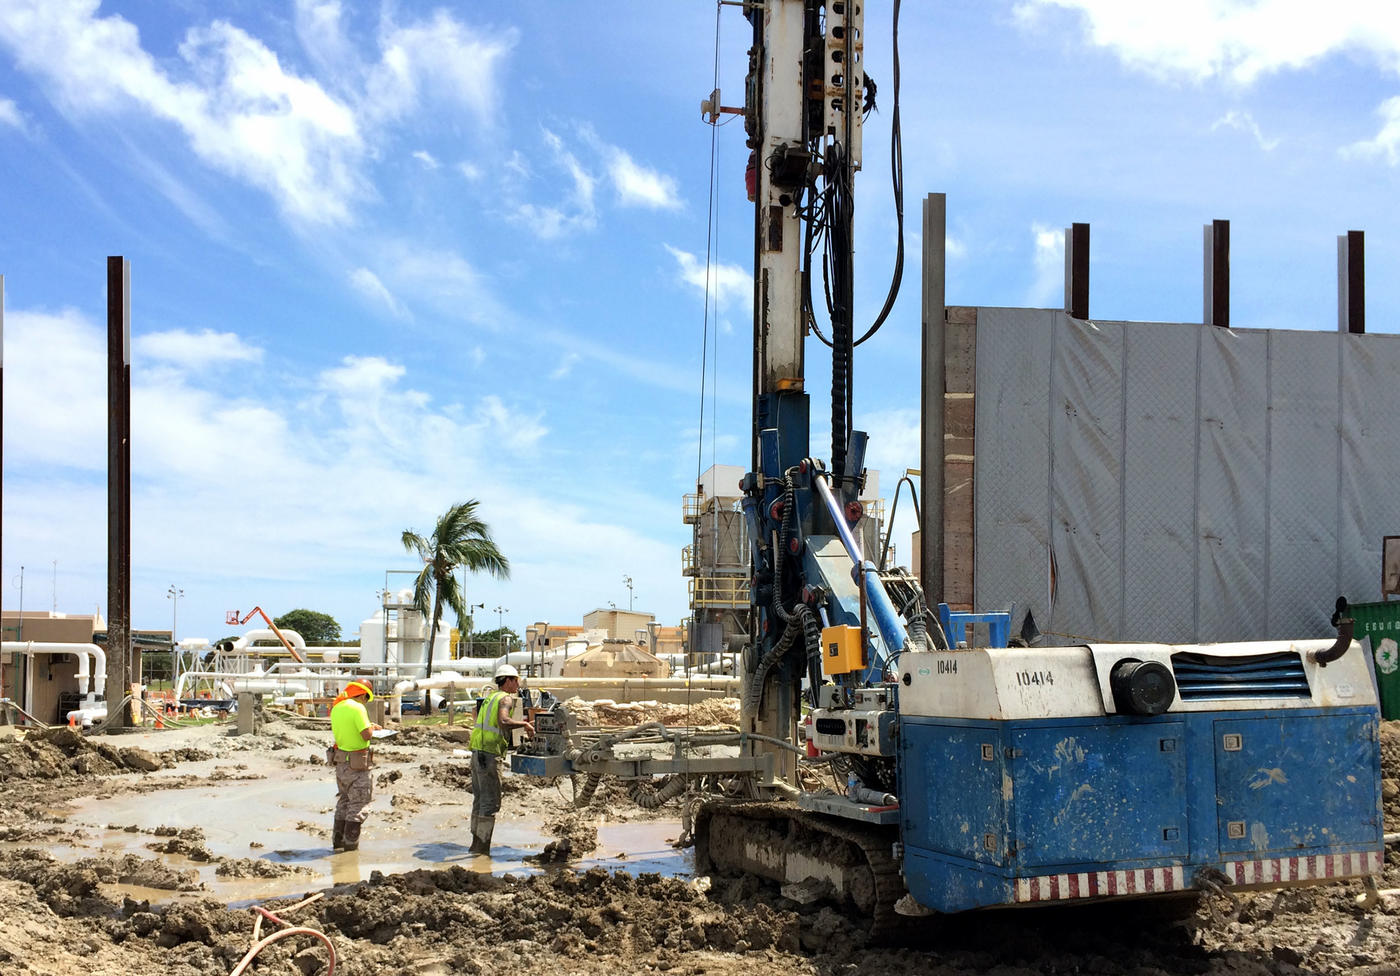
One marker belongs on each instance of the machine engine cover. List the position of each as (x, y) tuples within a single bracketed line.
[(869, 732)]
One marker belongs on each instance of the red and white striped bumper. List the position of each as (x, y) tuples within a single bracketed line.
[(1144, 881)]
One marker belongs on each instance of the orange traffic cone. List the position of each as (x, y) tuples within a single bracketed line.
[(159, 723), (72, 721)]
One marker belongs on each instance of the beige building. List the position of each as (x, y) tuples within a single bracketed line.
[(46, 685), (619, 623)]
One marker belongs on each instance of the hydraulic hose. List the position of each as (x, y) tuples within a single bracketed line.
[(1344, 624)]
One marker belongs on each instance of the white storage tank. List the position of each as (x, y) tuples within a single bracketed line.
[(372, 639)]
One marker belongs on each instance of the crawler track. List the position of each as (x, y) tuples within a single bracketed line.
[(777, 841)]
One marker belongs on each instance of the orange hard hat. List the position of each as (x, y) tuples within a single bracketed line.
[(356, 688)]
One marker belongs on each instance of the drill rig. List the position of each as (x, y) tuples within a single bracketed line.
[(973, 777)]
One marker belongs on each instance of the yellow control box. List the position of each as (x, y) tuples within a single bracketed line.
[(841, 650)]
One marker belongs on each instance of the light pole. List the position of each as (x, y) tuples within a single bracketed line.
[(628, 581), (501, 627), (471, 624), (173, 595)]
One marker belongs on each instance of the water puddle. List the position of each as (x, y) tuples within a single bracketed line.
[(286, 819)]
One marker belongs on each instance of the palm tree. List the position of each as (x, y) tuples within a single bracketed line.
[(459, 538)]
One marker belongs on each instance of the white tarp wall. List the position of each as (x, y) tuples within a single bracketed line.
[(1181, 482)]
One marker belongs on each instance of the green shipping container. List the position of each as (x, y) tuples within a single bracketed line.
[(1381, 623)]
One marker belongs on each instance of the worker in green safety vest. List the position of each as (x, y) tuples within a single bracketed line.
[(489, 742)]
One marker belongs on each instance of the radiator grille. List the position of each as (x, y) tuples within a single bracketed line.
[(1206, 676)]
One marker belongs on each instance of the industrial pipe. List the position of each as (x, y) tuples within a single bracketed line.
[(887, 620), (93, 677)]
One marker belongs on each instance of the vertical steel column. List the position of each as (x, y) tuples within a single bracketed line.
[(1351, 283), (1217, 273), (1077, 270), (933, 385), (2, 422), (118, 483)]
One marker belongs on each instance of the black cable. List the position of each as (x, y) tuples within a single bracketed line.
[(897, 180)]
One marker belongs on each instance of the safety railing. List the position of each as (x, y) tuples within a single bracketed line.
[(688, 560), (718, 591)]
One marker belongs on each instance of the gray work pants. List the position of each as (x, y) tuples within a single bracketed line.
[(354, 788), (486, 784)]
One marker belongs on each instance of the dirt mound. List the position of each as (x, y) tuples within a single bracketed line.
[(709, 711), (254, 867), (71, 889), (63, 752), (574, 835), (1390, 773)]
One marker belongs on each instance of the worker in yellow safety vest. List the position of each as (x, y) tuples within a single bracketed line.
[(489, 742), (352, 758)]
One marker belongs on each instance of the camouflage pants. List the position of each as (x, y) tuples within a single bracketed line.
[(354, 788), (486, 784)]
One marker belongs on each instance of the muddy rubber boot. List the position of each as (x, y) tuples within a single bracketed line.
[(338, 836), (481, 835), (352, 835)]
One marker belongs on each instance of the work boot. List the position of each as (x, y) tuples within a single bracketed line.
[(352, 835), (481, 835), (338, 836)]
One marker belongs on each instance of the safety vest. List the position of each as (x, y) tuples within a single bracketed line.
[(486, 734)]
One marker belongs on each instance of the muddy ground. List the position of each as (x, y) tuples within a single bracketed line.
[(68, 909)]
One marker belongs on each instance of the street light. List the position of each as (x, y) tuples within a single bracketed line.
[(173, 595), (501, 627), (471, 623), (628, 581)]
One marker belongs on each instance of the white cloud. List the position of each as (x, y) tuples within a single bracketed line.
[(447, 280), (9, 114), (245, 494), (565, 367), (1047, 289), (576, 212), (426, 158), (359, 375), (1240, 39), (44, 353), (727, 282), (470, 170), (1244, 122), (195, 351), (953, 247), (241, 112), (638, 186), (367, 283), (246, 114), (1386, 142), (441, 57)]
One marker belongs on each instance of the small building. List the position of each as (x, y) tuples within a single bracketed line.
[(46, 685), (623, 624)]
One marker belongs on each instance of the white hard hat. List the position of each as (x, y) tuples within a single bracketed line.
[(506, 671)]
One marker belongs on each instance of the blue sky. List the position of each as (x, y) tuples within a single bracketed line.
[(386, 257)]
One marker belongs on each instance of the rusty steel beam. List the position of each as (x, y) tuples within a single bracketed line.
[(118, 484)]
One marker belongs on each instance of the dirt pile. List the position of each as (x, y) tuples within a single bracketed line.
[(706, 712), (63, 752)]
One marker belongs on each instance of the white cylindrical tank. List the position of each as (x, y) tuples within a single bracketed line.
[(372, 639), (411, 630)]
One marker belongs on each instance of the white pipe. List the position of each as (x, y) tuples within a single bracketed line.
[(440, 680), (89, 675), (86, 716), (293, 638)]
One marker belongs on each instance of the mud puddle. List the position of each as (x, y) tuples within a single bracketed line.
[(284, 820)]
